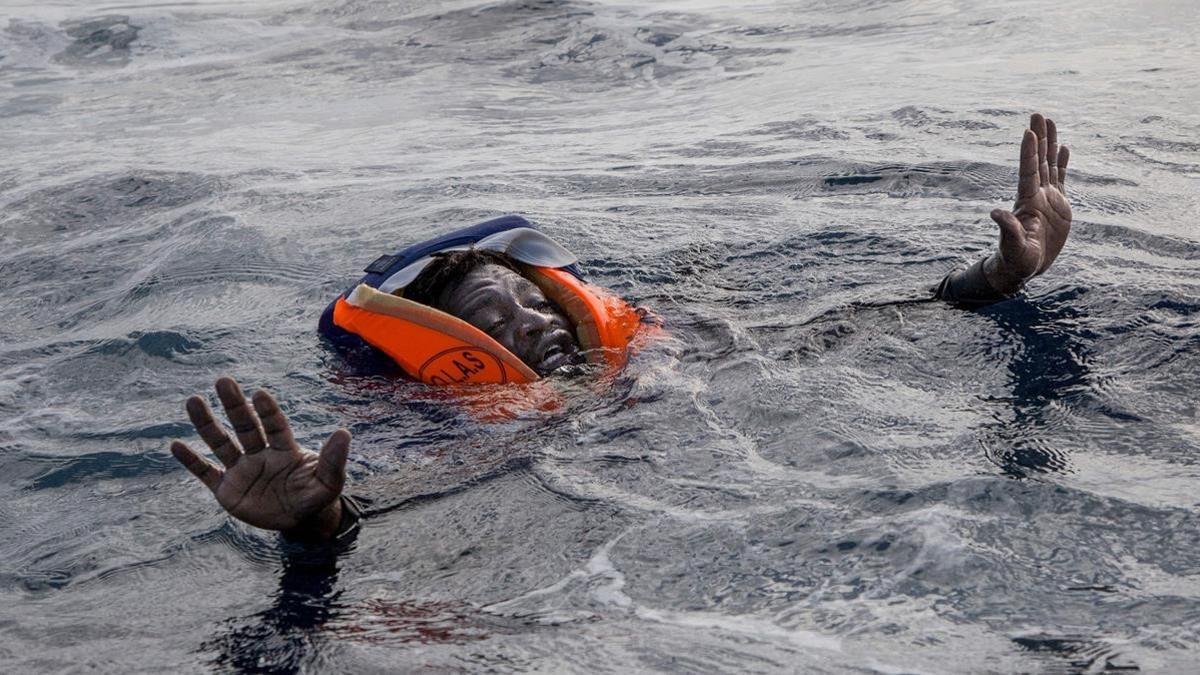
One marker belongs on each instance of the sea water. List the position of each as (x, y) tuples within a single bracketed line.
[(806, 473)]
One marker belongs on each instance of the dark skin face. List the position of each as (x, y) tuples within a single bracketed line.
[(515, 313)]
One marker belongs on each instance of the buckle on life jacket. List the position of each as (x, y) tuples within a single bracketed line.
[(382, 264)]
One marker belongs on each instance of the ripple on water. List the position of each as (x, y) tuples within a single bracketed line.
[(105, 200), (108, 465), (815, 470), (102, 40)]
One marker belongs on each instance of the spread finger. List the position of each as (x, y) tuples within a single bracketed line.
[(1038, 124), (1052, 150), (212, 432), (201, 468), (279, 434), (1027, 183), (331, 468), (241, 416), (1064, 156)]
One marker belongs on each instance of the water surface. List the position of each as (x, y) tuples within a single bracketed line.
[(794, 480)]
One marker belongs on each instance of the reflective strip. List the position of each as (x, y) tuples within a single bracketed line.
[(430, 345)]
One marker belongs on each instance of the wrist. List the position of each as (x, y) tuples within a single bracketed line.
[(1001, 277), (320, 526)]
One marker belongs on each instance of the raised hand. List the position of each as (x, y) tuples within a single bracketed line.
[(1034, 232), (268, 480)]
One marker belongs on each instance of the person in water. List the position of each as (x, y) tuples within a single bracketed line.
[(267, 480), (488, 291)]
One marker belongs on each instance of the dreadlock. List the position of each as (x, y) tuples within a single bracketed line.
[(447, 270)]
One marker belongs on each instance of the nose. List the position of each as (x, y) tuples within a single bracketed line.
[(532, 323)]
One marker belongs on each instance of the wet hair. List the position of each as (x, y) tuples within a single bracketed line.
[(447, 270)]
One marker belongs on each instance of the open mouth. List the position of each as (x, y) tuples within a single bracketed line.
[(560, 352), (554, 358)]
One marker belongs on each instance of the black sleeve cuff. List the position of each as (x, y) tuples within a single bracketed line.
[(347, 530), (969, 288)]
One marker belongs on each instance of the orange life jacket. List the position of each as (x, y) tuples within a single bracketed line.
[(440, 349)]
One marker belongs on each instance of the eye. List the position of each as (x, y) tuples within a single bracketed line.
[(544, 305), (496, 325)]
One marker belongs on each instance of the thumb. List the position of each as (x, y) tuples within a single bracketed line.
[(1012, 235), (331, 466)]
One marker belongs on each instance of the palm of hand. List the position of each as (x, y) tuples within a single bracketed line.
[(274, 489), (1046, 219), (1033, 234)]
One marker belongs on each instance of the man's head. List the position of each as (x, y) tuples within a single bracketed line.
[(485, 289)]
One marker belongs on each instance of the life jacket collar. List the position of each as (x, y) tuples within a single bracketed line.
[(522, 244)]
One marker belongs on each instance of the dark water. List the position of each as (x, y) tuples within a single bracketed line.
[(793, 481)]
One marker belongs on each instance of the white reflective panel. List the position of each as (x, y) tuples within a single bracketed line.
[(529, 246), (408, 273), (522, 244)]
